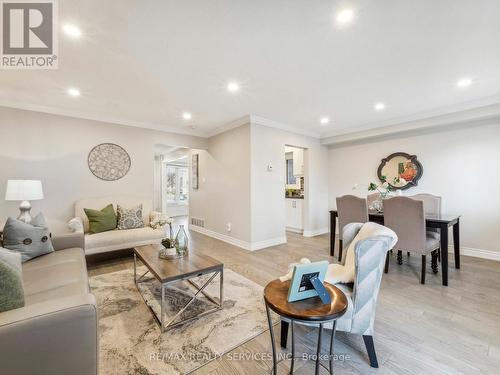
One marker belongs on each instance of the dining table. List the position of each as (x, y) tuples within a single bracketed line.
[(438, 221)]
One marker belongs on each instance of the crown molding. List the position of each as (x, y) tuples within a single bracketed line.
[(485, 115), (229, 126), (483, 111), (423, 115), (106, 119), (258, 120)]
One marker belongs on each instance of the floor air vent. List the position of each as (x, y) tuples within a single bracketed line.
[(198, 222)]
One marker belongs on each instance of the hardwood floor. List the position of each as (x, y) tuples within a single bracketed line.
[(419, 329)]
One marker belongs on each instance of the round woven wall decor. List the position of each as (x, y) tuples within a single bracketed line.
[(109, 162)]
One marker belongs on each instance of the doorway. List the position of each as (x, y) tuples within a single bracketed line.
[(172, 182), (294, 189)]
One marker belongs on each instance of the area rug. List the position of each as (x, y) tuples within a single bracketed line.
[(130, 338)]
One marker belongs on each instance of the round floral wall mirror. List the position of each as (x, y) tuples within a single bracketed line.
[(400, 170)]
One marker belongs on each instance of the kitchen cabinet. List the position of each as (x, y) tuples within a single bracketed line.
[(294, 209)]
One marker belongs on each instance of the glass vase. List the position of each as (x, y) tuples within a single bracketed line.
[(181, 241), (378, 204)]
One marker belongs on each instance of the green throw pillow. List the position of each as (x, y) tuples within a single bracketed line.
[(31, 240), (11, 281), (101, 221)]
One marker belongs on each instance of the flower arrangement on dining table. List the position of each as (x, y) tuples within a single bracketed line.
[(384, 188)]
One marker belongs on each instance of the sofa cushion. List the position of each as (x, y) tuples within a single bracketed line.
[(122, 239), (129, 218), (11, 282), (125, 201), (101, 220), (31, 240), (56, 275)]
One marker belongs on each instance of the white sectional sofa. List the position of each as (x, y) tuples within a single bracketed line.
[(115, 239)]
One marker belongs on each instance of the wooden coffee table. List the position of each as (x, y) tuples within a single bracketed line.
[(182, 269)]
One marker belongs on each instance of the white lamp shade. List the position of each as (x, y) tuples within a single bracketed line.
[(23, 190)]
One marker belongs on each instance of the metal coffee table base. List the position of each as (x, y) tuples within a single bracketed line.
[(171, 323)]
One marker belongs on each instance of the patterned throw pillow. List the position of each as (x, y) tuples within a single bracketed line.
[(31, 240), (130, 218)]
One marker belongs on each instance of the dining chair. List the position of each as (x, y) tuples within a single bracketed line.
[(362, 295), (432, 205), (350, 209), (406, 217)]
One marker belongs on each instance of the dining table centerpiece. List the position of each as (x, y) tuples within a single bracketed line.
[(384, 190)]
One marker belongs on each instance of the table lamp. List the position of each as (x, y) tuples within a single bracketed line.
[(24, 191)]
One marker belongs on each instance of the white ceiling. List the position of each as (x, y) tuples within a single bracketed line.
[(146, 62)]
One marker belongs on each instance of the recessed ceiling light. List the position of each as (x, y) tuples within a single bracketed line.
[(72, 30), (464, 82), (379, 107), (233, 87), (345, 16), (73, 92), (324, 120), (187, 116)]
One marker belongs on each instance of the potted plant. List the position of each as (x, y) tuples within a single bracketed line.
[(167, 251)]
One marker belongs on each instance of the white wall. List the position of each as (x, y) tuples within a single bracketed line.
[(268, 188), (54, 149), (224, 185), (236, 186), (461, 165)]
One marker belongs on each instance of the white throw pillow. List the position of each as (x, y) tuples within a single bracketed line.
[(345, 274)]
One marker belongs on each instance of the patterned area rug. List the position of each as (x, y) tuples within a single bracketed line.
[(130, 338)]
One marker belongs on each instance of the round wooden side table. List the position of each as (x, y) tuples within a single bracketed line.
[(311, 311)]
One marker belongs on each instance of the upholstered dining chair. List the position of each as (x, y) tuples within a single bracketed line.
[(432, 205), (406, 217), (362, 295), (350, 209)]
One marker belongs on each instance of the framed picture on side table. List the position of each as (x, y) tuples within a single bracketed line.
[(301, 286)]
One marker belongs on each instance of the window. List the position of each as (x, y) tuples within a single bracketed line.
[(176, 184)]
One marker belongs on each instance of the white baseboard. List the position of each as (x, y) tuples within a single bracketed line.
[(315, 232), (252, 246), (267, 243), (294, 230), (477, 253)]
